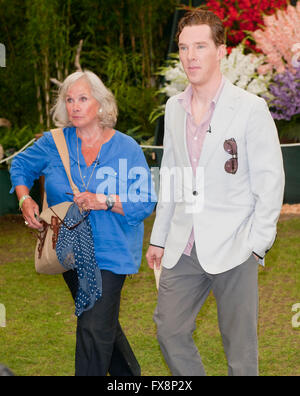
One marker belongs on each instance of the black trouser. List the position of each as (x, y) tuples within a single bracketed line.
[(101, 345)]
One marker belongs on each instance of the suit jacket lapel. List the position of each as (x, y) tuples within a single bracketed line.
[(180, 128), (220, 123)]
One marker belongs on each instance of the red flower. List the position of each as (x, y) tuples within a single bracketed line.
[(240, 16)]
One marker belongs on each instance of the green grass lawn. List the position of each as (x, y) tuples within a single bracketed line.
[(39, 337)]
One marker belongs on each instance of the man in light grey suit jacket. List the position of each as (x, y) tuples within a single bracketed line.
[(221, 192)]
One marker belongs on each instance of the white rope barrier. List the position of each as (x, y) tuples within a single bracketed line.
[(152, 147), (142, 146), (290, 145), (18, 152)]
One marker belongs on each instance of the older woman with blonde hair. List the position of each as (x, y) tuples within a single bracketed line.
[(112, 175)]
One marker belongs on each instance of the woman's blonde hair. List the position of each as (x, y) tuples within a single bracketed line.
[(108, 112)]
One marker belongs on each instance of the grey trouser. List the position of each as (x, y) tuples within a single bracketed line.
[(182, 292)]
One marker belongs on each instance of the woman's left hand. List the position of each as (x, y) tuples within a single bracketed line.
[(90, 201)]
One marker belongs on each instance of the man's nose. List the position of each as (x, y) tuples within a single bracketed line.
[(191, 53)]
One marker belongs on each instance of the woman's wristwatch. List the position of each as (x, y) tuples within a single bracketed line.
[(110, 202)]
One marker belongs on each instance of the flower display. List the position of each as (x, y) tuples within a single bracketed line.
[(239, 68), (175, 77), (285, 91), (242, 16), (279, 39), (242, 70), (272, 68)]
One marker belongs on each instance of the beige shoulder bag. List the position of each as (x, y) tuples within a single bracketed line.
[(46, 261)]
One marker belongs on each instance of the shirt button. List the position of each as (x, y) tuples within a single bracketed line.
[(195, 138), (195, 193), (194, 159)]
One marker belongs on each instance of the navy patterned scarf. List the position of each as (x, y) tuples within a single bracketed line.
[(75, 250)]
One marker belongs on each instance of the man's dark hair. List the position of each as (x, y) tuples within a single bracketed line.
[(203, 17)]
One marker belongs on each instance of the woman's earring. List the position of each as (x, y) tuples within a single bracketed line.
[(100, 110)]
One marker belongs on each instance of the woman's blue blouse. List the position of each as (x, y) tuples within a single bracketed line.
[(121, 169)]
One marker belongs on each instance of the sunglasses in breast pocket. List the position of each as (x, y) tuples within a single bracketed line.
[(231, 165)]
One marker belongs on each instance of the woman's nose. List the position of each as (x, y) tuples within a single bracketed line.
[(76, 107)]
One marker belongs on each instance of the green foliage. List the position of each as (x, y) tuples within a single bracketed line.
[(289, 131), (124, 41), (156, 113), (121, 72), (16, 79), (15, 139)]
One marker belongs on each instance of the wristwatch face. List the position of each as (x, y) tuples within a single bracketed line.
[(110, 202)]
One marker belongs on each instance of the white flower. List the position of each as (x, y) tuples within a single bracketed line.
[(172, 89), (175, 73), (240, 69)]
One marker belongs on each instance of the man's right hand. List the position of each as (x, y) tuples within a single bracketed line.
[(154, 256)]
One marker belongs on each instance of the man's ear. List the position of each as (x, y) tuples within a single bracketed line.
[(222, 51)]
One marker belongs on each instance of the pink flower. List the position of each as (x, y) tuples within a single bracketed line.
[(277, 39)]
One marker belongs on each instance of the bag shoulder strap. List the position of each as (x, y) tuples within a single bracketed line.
[(60, 141)]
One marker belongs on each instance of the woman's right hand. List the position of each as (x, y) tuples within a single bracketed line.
[(30, 211)]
